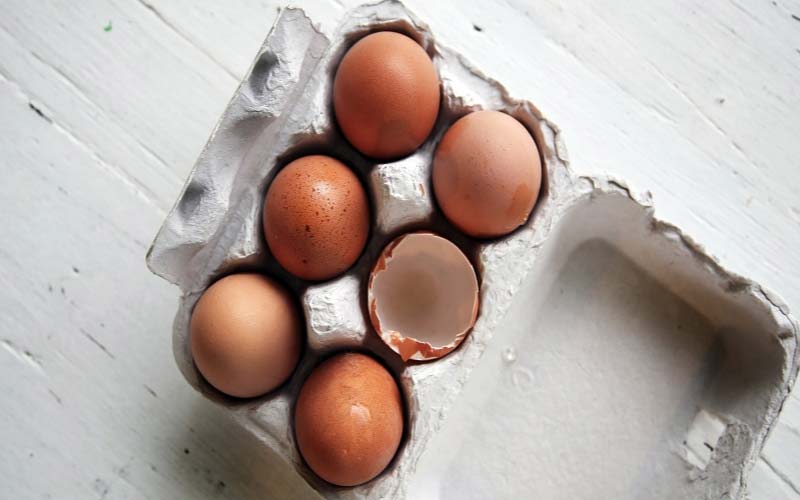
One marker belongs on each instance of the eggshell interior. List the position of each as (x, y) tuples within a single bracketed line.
[(422, 296)]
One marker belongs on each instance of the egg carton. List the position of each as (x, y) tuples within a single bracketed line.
[(612, 356)]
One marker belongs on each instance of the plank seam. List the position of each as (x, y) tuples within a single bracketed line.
[(139, 189), (783, 477), (188, 40)]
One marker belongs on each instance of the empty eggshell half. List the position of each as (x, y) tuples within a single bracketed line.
[(422, 296)]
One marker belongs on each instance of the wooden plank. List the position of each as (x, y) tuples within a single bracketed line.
[(765, 484), (242, 25), (140, 97)]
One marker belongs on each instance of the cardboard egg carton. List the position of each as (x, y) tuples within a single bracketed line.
[(612, 356)]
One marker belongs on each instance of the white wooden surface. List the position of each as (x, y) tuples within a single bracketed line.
[(697, 101)]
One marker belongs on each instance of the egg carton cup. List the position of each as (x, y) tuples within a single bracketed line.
[(688, 363)]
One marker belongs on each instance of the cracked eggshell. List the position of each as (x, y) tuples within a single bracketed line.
[(422, 296)]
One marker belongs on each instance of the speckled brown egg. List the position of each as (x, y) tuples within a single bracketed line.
[(349, 419), (245, 335), (316, 217), (386, 95), (487, 174)]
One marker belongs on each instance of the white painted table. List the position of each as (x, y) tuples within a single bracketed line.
[(104, 106)]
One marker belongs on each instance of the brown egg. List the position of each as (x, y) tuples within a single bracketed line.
[(386, 95), (487, 174), (349, 419), (245, 335), (316, 217)]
